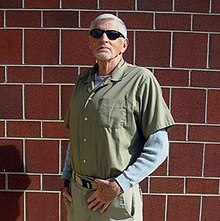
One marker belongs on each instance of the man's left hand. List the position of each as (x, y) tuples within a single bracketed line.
[(106, 192)]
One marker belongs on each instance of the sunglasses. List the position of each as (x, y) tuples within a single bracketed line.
[(111, 34)]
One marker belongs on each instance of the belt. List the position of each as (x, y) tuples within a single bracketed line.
[(85, 181)]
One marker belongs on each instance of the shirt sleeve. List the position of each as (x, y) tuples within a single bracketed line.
[(67, 169), (155, 151), (152, 111)]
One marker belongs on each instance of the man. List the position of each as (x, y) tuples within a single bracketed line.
[(118, 123)]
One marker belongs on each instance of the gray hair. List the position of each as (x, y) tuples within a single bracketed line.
[(122, 27)]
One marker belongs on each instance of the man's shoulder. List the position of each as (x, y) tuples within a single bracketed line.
[(139, 71)]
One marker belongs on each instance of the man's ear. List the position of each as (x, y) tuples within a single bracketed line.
[(125, 45)]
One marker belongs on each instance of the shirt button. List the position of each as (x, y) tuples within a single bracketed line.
[(84, 139), (86, 118), (84, 161)]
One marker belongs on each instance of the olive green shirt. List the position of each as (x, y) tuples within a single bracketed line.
[(109, 125)]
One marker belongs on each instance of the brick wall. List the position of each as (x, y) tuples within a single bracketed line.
[(42, 49)]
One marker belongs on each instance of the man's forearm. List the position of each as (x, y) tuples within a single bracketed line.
[(154, 153)]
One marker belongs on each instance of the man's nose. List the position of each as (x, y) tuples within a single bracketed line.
[(104, 37)]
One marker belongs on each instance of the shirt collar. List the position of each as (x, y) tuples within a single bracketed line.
[(116, 75)]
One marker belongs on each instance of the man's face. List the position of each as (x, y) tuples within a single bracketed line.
[(103, 48)]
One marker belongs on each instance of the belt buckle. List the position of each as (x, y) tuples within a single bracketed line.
[(86, 183)]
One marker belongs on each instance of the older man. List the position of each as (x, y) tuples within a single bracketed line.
[(118, 123)]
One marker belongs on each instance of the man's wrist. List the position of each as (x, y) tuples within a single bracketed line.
[(119, 189)]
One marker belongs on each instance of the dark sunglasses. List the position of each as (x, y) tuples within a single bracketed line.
[(111, 34)]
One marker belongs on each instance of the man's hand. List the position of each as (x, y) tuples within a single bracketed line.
[(65, 190), (107, 191)]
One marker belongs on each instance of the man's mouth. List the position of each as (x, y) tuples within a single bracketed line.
[(103, 48)]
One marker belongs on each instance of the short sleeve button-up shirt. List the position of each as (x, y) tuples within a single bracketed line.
[(109, 125)]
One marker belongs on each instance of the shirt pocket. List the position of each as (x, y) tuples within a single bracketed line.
[(112, 112)]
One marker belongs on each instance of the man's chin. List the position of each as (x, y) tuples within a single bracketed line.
[(103, 56)]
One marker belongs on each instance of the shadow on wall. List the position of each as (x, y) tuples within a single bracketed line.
[(13, 182)]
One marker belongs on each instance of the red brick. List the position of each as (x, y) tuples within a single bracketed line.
[(23, 182), (166, 185), (204, 133), (192, 6), (23, 129), (168, 77), (173, 21), (154, 207), (54, 130), (210, 208), (161, 170), (155, 5), (207, 23), (214, 60), (2, 181), (182, 160), (42, 4), (215, 6), (212, 163), (115, 4), (158, 44), (213, 106), (10, 4), (177, 133), (42, 206), (23, 18), (61, 19), (41, 46), (51, 183), (63, 211), (60, 74), (189, 50), (207, 79), (191, 108), (42, 156), (183, 208), (66, 92), (23, 74), (11, 151), (75, 51), (10, 44), (2, 128), (1, 18), (41, 102), (166, 95), (9, 200), (136, 20), (144, 185), (11, 101), (2, 74), (82, 68), (92, 4), (86, 17), (202, 186), (12, 143)]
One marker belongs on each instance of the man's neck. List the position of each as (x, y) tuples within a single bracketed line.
[(106, 67)]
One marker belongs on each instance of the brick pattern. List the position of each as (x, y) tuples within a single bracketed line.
[(44, 47)]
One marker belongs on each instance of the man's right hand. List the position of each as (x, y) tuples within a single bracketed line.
[(65, 190)]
